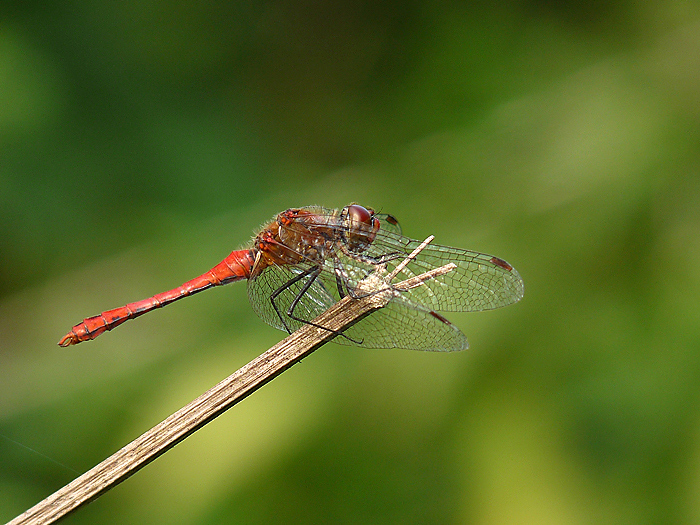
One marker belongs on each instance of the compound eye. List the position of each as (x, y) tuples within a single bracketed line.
[(359, 215), (360, 227)]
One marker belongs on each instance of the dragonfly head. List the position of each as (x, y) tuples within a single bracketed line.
[(360, 227)]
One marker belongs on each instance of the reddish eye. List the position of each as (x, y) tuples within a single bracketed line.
[(359, 227), (359, 214)]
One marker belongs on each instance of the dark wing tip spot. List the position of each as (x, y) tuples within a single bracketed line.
[(439, 317), (502, 264)]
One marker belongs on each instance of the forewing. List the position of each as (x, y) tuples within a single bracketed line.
[(479, 281)]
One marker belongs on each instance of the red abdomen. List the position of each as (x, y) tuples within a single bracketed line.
[(235, 267)]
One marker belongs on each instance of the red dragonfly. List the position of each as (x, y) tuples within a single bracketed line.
[(307, 259)]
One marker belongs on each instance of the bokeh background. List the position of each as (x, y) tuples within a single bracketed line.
[(141, 142)]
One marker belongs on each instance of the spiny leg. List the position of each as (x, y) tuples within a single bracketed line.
[(339, 272), (368, 259), (286, 286), (290, 312), (341, 281), (313, 273)]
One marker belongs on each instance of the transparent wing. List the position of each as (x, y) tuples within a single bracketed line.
[(479, 281), (402, 325)]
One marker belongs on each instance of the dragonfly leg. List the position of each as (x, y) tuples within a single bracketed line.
[(342, 283), (287, 285), (339, 283), (313, 274), (387, 257), (290, 312), (368, 259)]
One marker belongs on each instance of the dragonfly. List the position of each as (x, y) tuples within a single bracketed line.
[(307, 259)]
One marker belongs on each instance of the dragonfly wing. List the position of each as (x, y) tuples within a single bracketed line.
[(479, 281), (401, 324)]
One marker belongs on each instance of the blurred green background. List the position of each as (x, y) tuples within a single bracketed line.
[(141, 142)]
